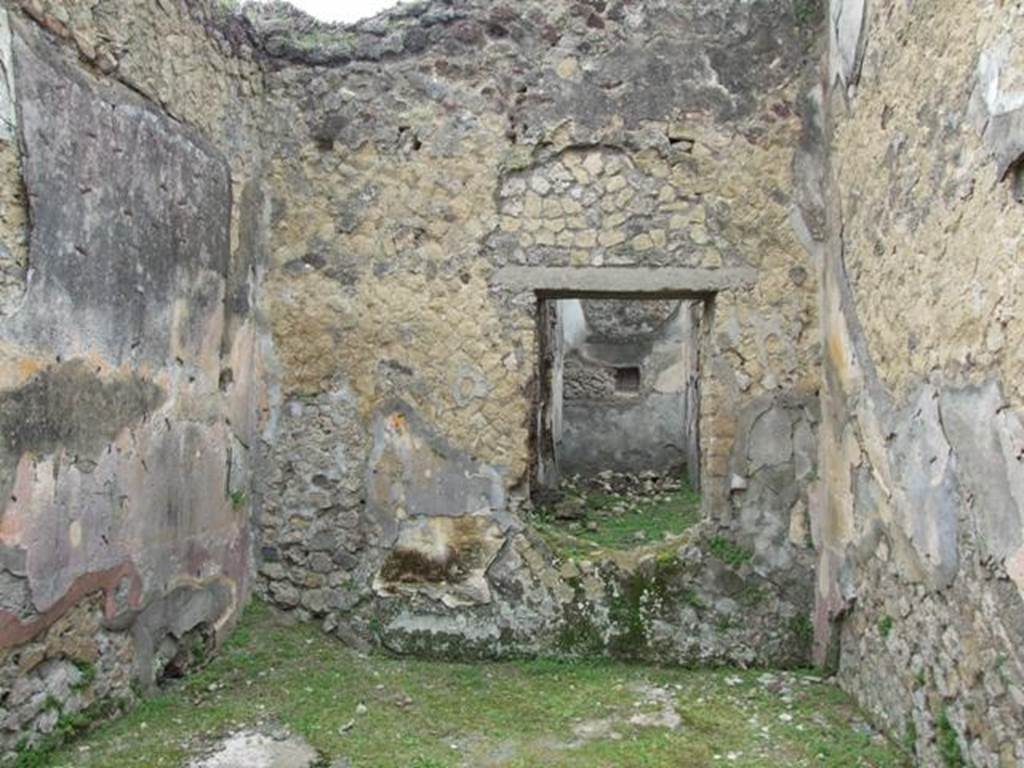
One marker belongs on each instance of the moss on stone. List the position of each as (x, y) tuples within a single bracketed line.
[(638, 598), (624, 612), (808, 13), (729, 552), (803, 631), (579, 635), (751, 596), (948, 742), (691, 598)]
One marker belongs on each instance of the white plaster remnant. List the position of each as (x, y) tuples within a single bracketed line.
[(574, 323), (997, 104), (8, 116), (846, 40), (258, 750)]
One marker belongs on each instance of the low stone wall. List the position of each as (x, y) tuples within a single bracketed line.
[(428, 565)]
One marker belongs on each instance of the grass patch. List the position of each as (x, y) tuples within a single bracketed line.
[(614, 521), (808, 13), (671, 514), (948, 743), (729, 552), (910, 738), (517, 714), (68, 727)]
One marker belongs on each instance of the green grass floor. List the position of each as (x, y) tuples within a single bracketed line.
[(618, 521), (423, 714)]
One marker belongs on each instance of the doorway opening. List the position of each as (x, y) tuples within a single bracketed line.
[(617, 448)]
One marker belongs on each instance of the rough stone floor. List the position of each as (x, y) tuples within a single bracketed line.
[(286, 696)]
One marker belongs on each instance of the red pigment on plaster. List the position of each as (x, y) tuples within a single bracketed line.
[(15, 632)]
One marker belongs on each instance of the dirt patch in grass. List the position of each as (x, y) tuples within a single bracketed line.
[(378, 712)]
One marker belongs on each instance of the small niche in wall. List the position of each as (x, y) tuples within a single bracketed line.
[(627, 379)]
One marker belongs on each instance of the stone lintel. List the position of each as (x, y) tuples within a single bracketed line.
[(623, 282)]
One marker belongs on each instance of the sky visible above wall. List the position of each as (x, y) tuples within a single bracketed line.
[(343, 10)]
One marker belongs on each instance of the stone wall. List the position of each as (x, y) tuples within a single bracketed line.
[(394, 200), (921, 565), (415, 156), (131, 246)]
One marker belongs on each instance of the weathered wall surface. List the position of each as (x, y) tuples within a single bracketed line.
[(129, 354), (416, 154), (13, 251), (157, 158), (921, 569)]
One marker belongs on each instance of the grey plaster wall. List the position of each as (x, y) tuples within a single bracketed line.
[(646, 433), (918, 524), (128, 389), (13, 256)]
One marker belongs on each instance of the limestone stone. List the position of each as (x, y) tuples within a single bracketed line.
[(259, 750), (445, 558), (568, 68), (593, 164)]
